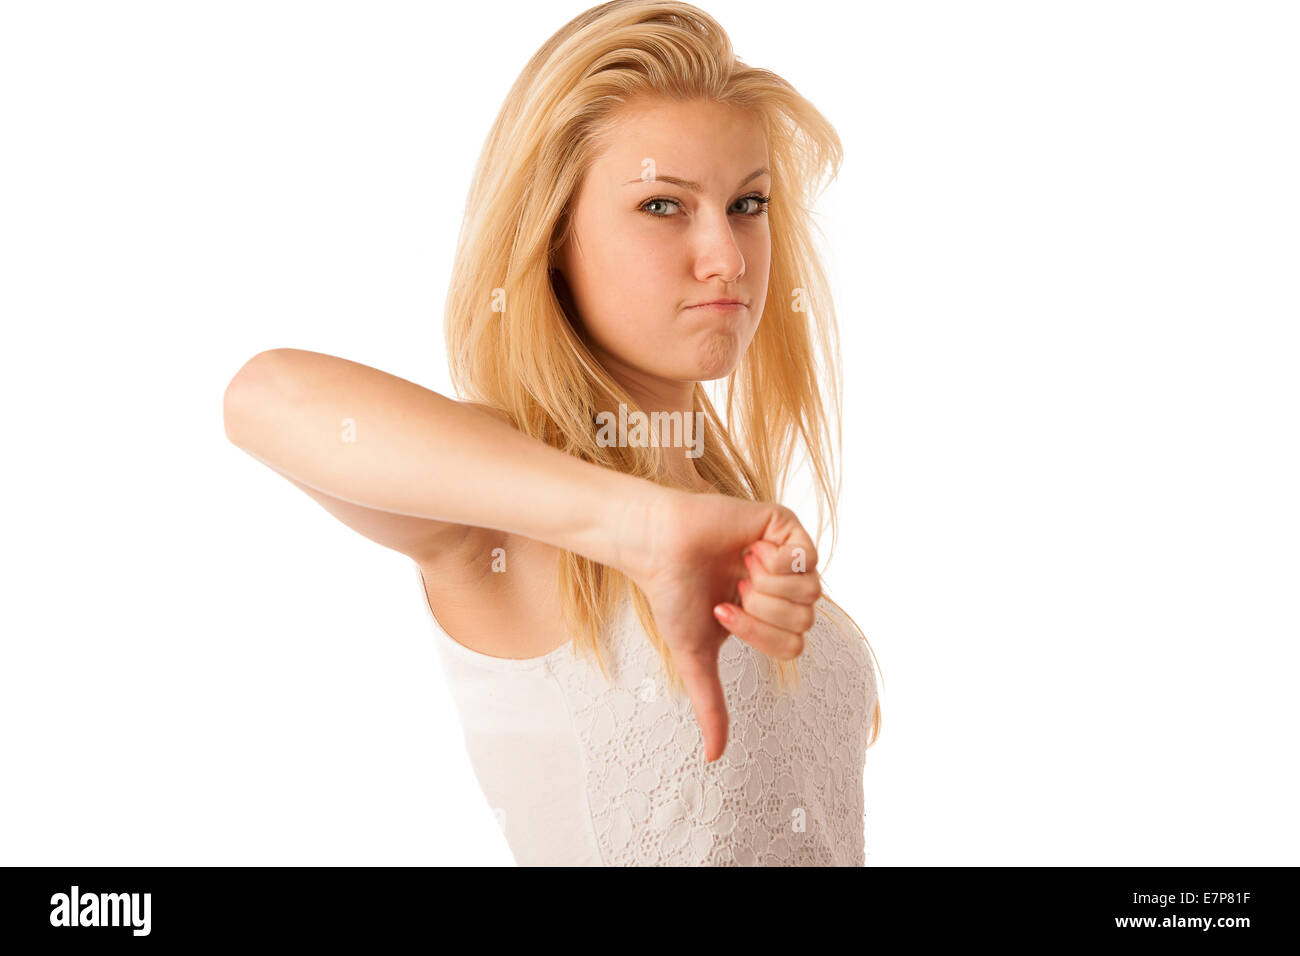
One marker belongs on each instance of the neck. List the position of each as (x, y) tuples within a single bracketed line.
[(673, 429)]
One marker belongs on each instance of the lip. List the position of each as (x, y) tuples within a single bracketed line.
[(719, 304)]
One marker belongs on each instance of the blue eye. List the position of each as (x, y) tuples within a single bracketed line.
[(762, 202)]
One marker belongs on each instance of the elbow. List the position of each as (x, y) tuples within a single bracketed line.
[(247, 390)]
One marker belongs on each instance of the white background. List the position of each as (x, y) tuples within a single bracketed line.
[(1064, 245)]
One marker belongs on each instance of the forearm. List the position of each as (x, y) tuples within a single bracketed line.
[(380, 441)]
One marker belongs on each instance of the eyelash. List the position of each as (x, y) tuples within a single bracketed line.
[(761, 200)]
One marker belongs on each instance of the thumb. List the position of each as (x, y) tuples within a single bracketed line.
[(703, 686)]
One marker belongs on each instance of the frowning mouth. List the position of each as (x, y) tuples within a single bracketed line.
[(719, 304)]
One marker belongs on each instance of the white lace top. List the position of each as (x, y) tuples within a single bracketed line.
[(581, 772)]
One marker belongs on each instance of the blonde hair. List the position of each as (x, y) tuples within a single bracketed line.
[(530, 362)]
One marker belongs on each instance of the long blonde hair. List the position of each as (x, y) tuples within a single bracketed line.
[(510, 343)]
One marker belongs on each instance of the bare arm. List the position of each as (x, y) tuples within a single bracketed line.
[(364, 439), (421, 472)]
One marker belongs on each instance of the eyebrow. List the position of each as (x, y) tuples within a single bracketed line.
[(693, 186)]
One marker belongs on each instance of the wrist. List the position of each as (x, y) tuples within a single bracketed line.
[(644, 510)]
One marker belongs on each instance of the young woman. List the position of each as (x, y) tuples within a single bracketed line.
[(633, 628)]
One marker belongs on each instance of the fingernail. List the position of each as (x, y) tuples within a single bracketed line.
[(722, 611)]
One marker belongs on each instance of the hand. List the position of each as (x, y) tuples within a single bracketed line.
[(687, 559)]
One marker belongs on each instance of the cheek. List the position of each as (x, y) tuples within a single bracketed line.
[(625, 301), (758, 262), (629, 275), (758, 251), (639, 250)]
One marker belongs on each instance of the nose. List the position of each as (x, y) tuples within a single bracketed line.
[(716, 251)]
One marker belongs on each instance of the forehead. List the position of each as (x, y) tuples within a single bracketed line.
[(702, 140)]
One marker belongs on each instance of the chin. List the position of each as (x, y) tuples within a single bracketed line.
[(713, 372), (719, 355)]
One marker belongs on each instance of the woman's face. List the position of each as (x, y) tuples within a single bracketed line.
[(663, 220)]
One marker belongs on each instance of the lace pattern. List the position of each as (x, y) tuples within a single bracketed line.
[(787, 790)]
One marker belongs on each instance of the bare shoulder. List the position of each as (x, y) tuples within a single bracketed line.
[(498, 595), (481, 543), (492, 410), (466, 569)]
